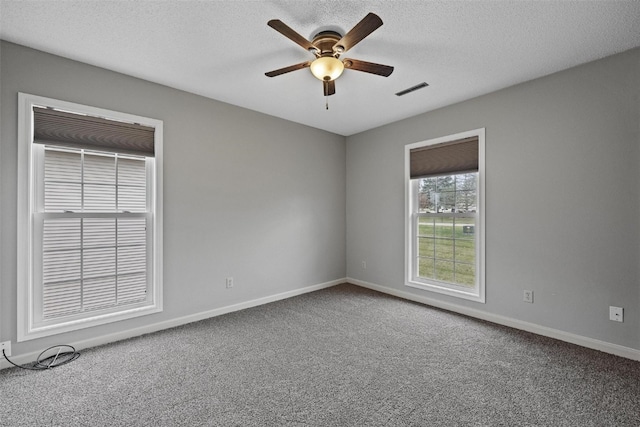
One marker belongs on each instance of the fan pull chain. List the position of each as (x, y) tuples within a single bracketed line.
[(326, 105)]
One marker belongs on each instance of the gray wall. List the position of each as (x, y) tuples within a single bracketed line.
[(245, 194), (562, 198), (263, 200)]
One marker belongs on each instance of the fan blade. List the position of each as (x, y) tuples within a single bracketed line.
[(368, 67), (288, 69), (368, 25), (286, 31), (329, 87)]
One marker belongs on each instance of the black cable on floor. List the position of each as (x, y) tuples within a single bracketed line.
[(60, 358)]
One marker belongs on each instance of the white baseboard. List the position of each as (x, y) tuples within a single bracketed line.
[(130, 333), (580, 340)]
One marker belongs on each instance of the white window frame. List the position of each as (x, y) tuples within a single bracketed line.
[(28, 326), (478, 292)]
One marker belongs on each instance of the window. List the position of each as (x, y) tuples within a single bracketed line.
[(90, 217), (445, 215)]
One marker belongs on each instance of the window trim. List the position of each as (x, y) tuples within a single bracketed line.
[(478, 293), (27, 330)]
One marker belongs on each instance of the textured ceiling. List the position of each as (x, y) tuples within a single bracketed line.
[(221, 49)]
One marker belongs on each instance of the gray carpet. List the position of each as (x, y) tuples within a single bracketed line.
[(343, 356)]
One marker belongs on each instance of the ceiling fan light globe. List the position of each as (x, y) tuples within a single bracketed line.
[(327, 68)]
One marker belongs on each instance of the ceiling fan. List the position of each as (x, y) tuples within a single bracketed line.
[(327, 46)]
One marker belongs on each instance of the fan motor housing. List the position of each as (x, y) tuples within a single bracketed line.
[(324, 41)]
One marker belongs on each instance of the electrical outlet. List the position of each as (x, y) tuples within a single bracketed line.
[(616, 314), (528, 297), (229, 282), (6, 346)]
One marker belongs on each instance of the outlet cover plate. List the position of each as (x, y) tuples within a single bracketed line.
[(6, 346), (527, 296), (616, 314)]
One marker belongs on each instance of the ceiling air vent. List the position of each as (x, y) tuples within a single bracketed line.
[(412, 89)]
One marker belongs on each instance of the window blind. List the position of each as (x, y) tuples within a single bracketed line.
[(61, 128), (89, 261), (445, 158), (92, 263)]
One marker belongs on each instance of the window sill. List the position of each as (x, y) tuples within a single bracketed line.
[(35, 332), (471, 294)]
